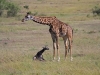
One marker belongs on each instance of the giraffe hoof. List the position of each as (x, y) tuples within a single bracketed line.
[(58, 59), (71, 59)]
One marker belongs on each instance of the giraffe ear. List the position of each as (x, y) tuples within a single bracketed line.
[(54, 17), (27, 13)]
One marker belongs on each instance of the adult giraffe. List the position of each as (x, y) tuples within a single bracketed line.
[(57, 29)]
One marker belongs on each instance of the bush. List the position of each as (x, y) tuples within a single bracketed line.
[(27, 7), (1, 12), (12, 9), (96, 10), (2, 6)]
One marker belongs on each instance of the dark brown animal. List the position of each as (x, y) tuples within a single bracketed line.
[(39, 55)]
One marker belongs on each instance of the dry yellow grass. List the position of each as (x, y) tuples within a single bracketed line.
[(19, 41)]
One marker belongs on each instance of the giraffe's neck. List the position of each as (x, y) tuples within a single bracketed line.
[(43, 20)]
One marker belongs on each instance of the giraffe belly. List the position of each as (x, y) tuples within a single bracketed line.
[(62, 34)]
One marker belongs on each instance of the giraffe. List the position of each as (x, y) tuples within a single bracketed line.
[(39, 55), (57, 29)]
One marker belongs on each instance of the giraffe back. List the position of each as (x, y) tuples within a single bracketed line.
[(59, 28)]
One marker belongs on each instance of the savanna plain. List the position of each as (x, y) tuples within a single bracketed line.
[(20, 41)]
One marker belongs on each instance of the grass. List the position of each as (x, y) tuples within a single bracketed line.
[(19, 42), (47, 68)]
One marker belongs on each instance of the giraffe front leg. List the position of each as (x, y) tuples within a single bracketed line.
[(57, 45), (66, 51), (70, 47), (66, 46), (58, 54), (54, 47)]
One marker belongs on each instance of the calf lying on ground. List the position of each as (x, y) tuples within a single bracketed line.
[(39, 55)]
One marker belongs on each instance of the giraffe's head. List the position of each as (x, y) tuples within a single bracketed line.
[(27, 17)]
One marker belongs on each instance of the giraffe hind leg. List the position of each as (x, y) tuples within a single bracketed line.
[(70, 49), (57, 45), (58, 54), (54, 47), (66, 46)]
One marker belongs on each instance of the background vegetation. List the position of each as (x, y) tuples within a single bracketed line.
[(19, 42), (12, 8), (96, 10)]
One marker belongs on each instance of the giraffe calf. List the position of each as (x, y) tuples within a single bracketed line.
[(39, 55)]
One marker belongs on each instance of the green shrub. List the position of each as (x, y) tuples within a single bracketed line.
[(2, 6), (27, 7), (1, 12), (96, 10), (12, 8)]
